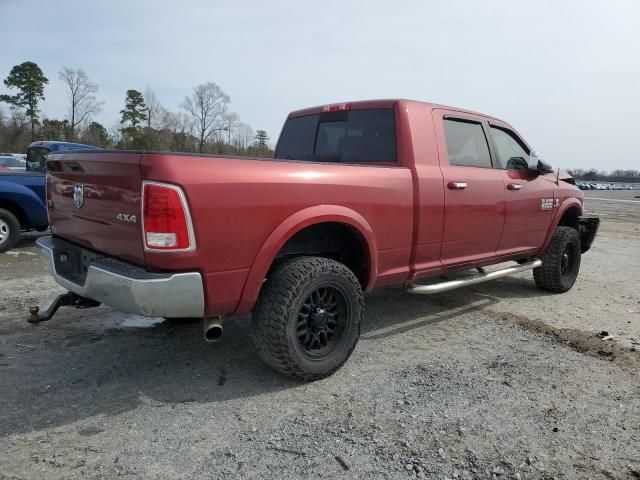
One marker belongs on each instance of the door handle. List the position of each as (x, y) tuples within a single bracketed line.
[(457, 185), (514, 186)]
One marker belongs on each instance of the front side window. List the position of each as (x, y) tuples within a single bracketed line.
[(466, 144), (511, 153), (356, 136)]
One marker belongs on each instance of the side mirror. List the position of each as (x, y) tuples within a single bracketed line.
[(536, 164), (534, 159), (545, 167)]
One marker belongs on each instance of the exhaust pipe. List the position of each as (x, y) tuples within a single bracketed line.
[(212, 329)]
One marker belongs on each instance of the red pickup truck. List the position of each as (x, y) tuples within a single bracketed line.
[(359, 195)]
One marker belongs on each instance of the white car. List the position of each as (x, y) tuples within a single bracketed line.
[(12, 163)]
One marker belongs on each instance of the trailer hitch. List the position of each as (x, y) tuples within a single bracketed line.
[(68, 299)]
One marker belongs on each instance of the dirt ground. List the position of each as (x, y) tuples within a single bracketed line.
[(499, 380)]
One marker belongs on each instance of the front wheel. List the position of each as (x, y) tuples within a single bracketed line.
[(560, 262), (307, 320), (9, 230)]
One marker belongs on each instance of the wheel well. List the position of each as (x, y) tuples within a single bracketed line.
[(337, 241), (570, 218), (15, 209)]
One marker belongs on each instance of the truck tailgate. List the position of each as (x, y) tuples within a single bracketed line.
[(94, 201)]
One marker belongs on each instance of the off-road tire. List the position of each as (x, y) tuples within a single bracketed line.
[(10, 222), (276, 316), (550, 276)]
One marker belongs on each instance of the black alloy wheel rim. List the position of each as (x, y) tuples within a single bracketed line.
[(568, 260), (322, 321)]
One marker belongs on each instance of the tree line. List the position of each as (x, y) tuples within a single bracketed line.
[(593, 175), (204, 123)]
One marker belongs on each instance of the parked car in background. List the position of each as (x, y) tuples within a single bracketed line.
[(12, 163), (22, 205), (603, 186), (360, 196), (38, 152), (22, 190)]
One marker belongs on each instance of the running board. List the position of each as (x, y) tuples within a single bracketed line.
[(482, 277)]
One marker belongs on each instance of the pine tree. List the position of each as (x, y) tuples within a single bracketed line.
[(30, 81), (261, 139), (134, 113), (135, 110), (52, 129), (96, 134)]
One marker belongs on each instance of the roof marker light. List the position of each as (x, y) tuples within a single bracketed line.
[(337, 107)]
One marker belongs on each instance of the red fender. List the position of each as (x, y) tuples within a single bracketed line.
[(288, 228), (566, 205)]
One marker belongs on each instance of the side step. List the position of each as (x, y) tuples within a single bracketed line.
[(482, 277)]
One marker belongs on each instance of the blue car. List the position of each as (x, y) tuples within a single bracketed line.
[(22, 194), (39, 151)]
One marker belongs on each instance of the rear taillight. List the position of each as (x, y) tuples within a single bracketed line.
[(166, 223)]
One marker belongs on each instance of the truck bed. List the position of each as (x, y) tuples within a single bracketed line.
[(236, 204)]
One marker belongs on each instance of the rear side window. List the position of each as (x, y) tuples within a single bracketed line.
[(356, 136), (466, 144)]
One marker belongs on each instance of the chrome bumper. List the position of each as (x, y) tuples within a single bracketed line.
[(127, 287)]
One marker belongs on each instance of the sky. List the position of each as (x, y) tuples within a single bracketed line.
[(565, 74)]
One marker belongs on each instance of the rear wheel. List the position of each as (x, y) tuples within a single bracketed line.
[(560, 262), (307, 320), (9, 230)]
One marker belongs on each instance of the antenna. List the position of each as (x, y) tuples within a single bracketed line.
[(558, 177)]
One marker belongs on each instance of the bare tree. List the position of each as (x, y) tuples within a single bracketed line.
[(208, 107), (115, 132), (176, 128), (81, 92), (243, 136), (232, 122), (154, 109), (15, 133), (167, 120)]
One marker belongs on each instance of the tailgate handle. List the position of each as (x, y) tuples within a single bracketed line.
[(457, 185)]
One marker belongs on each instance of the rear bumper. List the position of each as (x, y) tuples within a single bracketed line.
[(121, 285)]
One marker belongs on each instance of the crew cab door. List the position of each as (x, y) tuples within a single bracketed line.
[(529, 195), (474, 193)]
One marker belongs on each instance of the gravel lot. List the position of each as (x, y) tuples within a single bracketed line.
[(498, 380)]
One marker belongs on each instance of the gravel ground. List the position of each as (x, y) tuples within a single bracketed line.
[(495, 381)]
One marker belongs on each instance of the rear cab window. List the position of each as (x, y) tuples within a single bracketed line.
[(347, 136), (37, 158), (467, 144)]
